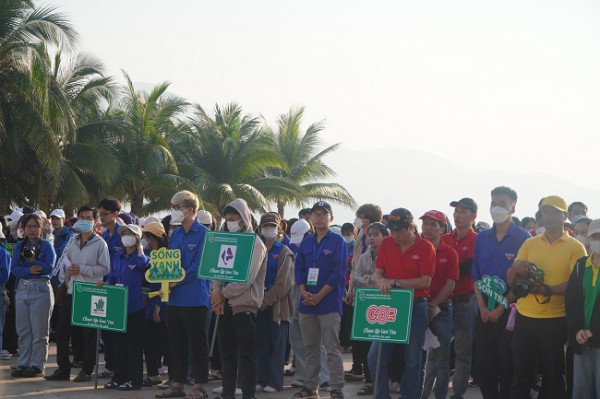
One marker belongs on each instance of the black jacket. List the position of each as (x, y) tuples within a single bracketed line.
[(574, 300)]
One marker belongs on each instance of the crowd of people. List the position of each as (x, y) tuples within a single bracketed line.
[(299, 299)]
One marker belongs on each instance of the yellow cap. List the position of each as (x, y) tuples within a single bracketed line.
[(556, 202)]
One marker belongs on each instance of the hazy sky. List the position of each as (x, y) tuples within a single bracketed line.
[(508, 86)]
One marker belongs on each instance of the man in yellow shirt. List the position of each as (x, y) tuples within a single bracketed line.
[(540, 326)]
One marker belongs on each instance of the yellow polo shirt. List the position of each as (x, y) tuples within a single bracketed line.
[(557, 261)]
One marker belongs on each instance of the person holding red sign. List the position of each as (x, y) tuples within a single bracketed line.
[(405, 260), (440, 306)]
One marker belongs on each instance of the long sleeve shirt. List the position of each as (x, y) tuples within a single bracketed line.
[(44, 257)]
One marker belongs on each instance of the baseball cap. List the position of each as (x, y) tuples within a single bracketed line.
[(594, 227), (467, 202), (135, 229), (59, 213), (554, 201), (270, 218), (152, 219), (435, 215), (154, 228), (298, 230), (399, 218), (204, 217), (322, 205), (579, 218), (41, 214)]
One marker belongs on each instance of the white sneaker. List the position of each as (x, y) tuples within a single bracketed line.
[(395, 387), (259, 388), (269, 389), (219, 390)]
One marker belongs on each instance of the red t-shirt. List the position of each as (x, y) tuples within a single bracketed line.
[(465, 248), (418, 260), (446, 267)]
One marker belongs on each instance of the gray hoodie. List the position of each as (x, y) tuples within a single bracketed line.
[(93, 260), (244, 297)]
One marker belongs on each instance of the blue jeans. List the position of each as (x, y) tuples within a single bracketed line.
[(3, 309), (437, 368), (34, 301), (464, 322), (586, 374), (270, 344), (410, 386)]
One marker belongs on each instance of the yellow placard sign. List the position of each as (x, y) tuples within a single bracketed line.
[(165, 268)]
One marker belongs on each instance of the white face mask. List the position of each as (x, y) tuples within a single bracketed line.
[(128, 241), (582, 238), (103, 229), (595, 246), (540, 230), (499, 214), (349, 239), (176, 216), (269, 232), (358, 223), (144, 243), (234, 227)]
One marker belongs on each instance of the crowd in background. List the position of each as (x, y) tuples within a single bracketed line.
[(297, 304)]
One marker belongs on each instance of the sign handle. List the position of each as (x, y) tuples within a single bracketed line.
[(164, 287), (214, 337), (97, 357), (491, 303), (378, 361)]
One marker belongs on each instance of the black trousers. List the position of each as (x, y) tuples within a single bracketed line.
[(360, 350), (542, 339), (63, 333), (186, 326), (236, 339), (155, 334), (493, 358), (127, 350)]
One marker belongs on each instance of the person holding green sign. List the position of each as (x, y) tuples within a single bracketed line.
[(127, 270), (33, 263), (238, 304), (188, 302), (405, 260)]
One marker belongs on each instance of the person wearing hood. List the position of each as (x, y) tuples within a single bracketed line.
[(188, 302), (127, 270), (320, 273), (238, 304), (275, 313)]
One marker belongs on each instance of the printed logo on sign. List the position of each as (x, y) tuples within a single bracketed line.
[(98, 306), (381, 314), (227, 256)]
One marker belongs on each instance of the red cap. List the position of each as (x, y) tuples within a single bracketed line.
[(435, 215)]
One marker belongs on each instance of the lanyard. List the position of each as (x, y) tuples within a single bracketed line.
[(318, 252)]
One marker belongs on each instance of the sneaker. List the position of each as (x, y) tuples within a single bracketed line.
[(165, 385), (337, 394), (298, 384), (353, 375), (128, 386), (5, 355), (367, 389), (112, 384), (219, 390), (106, 373), (18, 373), (258, 388), (59, 375), (32, 372), (306, 393), (151, 381), (324, 385), (269, 389), (289, 372), (82, 377), (395, 387)]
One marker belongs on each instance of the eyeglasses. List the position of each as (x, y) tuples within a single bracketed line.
[(105, 214), (320, 215), (178, 207)]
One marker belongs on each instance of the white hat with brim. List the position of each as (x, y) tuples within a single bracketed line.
[(594, 227), (135, 229), (59, 213), (298, 230)]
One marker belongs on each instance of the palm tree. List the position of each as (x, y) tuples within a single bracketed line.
[(302, 161), (148, 174), (226, 158), (30, 116)]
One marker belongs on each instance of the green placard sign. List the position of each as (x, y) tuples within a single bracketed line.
[(384, 318), (104, 308), (226, 256), (165, 268), (493, 288), (9, 246)]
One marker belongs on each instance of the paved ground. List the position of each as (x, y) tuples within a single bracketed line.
[(39, 388)]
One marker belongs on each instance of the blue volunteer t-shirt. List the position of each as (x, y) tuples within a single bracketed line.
[(190, 291), (129, 271), (493, 257), (45, 257), (113, 241), (330, 258), (272, 262)]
